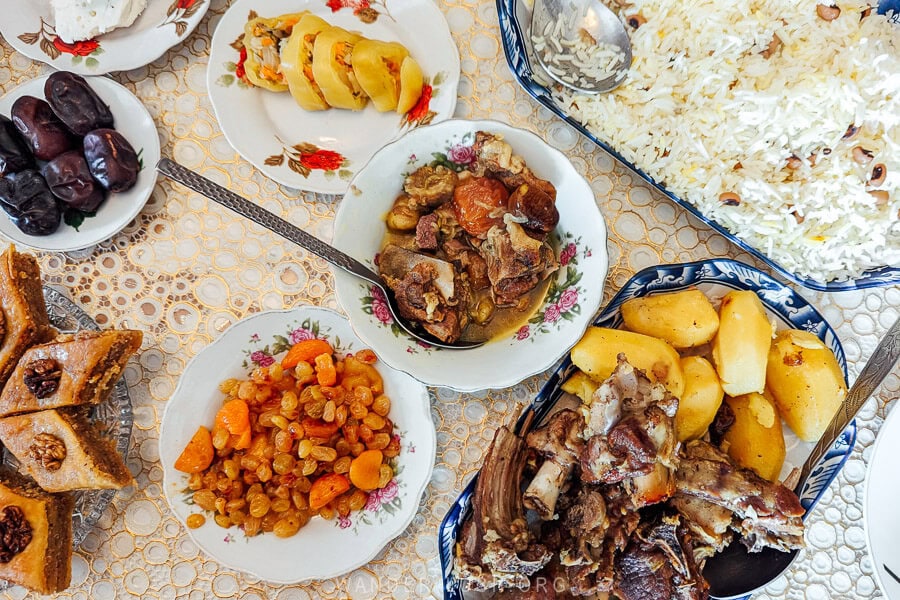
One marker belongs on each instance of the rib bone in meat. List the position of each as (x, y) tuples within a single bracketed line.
[(498, 549)]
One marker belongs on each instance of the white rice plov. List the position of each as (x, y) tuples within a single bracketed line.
[(796, 133)]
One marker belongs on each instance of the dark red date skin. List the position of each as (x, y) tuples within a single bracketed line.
[(29, 203), (69, 178), (14, 153), (45, 134), (76, 103), (111, 159)]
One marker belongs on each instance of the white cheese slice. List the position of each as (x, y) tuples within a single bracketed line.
[(84, 19)]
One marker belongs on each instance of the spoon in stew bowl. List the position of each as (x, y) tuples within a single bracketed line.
[(582, 44), (735, 572), (274, 223)]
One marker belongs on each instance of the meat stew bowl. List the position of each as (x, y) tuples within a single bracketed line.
[(715, 278), (542, 337)]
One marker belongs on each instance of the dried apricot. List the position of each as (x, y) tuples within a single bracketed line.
[(234, 416), (305, 351), (198, 454), (364, 469), (326, 488)]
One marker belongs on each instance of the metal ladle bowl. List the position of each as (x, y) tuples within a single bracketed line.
[(582, 44)]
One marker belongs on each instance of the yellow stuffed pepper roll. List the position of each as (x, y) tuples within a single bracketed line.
[(297, 61), (262, 40), (332, 68)]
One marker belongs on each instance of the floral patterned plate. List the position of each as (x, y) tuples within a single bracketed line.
[(134, 122), (320, 151), (322, 549), (572, 299), (29, 28)]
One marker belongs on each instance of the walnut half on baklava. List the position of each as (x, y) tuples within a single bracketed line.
[(24, 315), (36, 545), (72, 370), (63, 451)]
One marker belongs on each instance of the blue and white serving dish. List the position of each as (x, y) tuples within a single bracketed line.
[(515, 19), (715, 278)]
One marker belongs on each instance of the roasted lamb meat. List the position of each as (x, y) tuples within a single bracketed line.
[(631, 435), (658, 564), (767, 514), (496, 547), (560, 443)]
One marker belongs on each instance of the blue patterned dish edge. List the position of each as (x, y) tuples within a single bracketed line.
[(513, 38), (783, 302)]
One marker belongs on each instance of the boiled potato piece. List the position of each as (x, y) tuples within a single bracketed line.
[(333, 70), (411, 82), (701, 398), (596, 353), (755, 440), (685, 319), (581, 385), (740, 349), (377, 67), (296, 63), (806, 381)]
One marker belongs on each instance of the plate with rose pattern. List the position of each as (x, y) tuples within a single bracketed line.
[(320, 151), (29, 28), (134, 122), (541, 338), (322, 548)]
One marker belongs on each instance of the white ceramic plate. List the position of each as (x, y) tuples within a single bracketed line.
[(29, 28), (570, 305), (882, 518), (131, 120), (281, 139), (322, 549)]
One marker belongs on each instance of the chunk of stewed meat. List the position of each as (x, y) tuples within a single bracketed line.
[(430, 186)]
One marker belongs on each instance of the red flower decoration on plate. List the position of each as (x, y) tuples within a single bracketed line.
[(53, 46), (81, 48), (364, 9), (303, 158), (178, 12)]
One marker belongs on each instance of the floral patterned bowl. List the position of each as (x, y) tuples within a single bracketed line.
[(322, 549), (572, 299)]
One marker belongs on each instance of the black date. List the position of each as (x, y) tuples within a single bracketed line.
[(111, 159), (76, 103), (29, 203), (69, 178), (41, 128), (14, 153)]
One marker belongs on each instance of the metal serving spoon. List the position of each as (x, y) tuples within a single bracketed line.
[(273, 222), (734, 572), (558, 26)]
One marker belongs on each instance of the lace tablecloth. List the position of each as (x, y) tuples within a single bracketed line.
[(186, 269)]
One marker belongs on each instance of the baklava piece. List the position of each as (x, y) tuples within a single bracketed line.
[(72, 370), (63, 451), (36, 545), (24, 321)]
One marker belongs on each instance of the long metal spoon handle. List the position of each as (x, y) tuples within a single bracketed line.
[(261, 216), (879, 366)]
